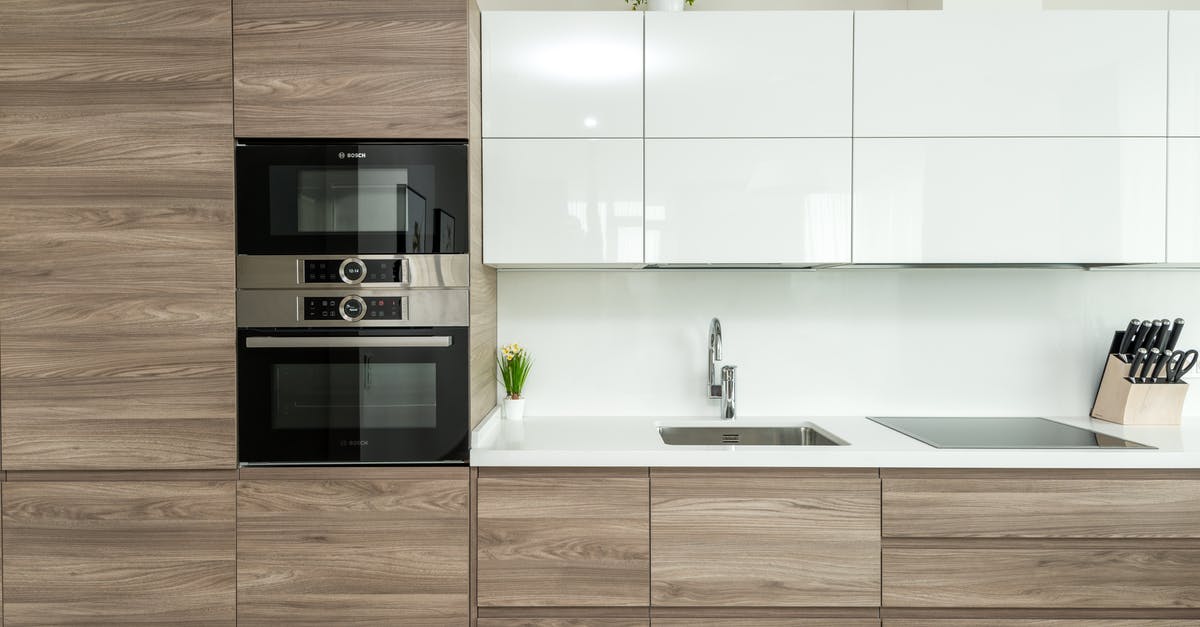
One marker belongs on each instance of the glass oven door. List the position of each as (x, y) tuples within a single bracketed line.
[(359, 396), (350, 199)]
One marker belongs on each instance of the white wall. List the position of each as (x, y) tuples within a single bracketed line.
[(970, 342)]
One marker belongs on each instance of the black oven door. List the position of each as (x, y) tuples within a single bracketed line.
[(362, 396), (351, 198)]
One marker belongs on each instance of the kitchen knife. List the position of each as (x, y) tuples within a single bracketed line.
[(1164, 335), (1163, 360), (1152, 337), (1138, 358), (1139, 340), (1148, 365), (1176, 329), (1127, 339)]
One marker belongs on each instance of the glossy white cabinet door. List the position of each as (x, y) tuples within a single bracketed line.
[(1183, 200), (747, 201), (1184, 113), (1010, 73), (1010, 200), (562, 74), (749, 74), (562, 202)]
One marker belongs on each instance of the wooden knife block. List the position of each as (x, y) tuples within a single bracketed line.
[(1128, 403)]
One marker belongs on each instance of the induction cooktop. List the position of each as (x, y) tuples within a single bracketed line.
[(995, 433)]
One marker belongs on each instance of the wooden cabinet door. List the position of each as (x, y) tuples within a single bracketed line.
[(355, 68), (354, 551), (765, 537), (119, 552), (563, 537), (564, 622), (116, 235)]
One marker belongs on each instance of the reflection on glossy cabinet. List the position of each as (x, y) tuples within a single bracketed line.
[(1013, 73), (748, 74), (1183, 200), (562, 74), (1008, 200), (562, 202), (1184, 111), (748, 201)]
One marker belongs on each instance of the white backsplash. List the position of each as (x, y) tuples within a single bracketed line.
[(961, 342)]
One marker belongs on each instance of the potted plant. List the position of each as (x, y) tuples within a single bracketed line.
[(659, 5), (514, 363)]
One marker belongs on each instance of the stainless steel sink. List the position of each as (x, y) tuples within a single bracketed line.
[(806, 434)]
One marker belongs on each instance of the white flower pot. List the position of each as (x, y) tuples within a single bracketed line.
[(665, 5), (514, 409)]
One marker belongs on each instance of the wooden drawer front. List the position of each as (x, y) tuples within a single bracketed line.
[(556, 537), (367, 552), (119, 552), (766, 622), (353, 68), (564, 622), (1041, 508), (742, 537), (1038, 622), (1031, 577)]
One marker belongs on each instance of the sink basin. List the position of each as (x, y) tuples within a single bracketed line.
[(806, 434)]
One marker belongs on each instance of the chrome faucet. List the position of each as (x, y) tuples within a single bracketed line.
[(721, 385), (729, 397)]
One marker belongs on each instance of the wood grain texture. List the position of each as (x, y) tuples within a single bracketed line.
[(766, 538), (563, 537), (1041, 508), (122, 475), (766, 622), (121, 553), (483, 279), (1118, 576), (337, 473), (351, 69), (1037, 622), (353, 552), (563, 622), (116, 163)]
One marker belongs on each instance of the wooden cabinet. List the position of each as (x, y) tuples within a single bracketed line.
[(356, 68), (1183, 113), (116, 235), (749, 74), (372, 547), (1038, 622), (564, 622), (765, 537), (563, 537), (118, 552)]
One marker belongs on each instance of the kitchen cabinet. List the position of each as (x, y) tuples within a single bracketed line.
[(563, 537), (1183, 200), (728, 620), (749, 74), (1036, 622), (1009, 200), (116, 228), (562, 74), (562, 202), (1183, 113), (764, 537), (350, 69), (370, 547), (1010, 73), (564, 622), (118, 552), (748, 201)]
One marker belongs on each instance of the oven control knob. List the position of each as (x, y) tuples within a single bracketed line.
[(352, 270), (352, 308)]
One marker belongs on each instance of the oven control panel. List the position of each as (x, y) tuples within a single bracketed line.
[(353, 308), (353, 271)]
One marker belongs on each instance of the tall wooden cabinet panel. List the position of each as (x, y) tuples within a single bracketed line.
[(116, 235), (354, 551), (119, 552), (760, 537), (353, 69), (563, 537)]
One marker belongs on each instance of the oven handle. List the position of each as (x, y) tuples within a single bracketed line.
[(437, 341)]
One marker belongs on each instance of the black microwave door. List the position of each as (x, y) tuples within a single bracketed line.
[(352, 398), (362, 198)]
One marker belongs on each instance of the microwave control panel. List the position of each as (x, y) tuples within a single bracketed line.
[(353, 308), (353, 271)]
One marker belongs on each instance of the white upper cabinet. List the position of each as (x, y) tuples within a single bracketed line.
[(747, 201), (562, 202), (1184, 113), (562, 74), (1009, 200), (1183, 200), (749, 74), (1010, 73)]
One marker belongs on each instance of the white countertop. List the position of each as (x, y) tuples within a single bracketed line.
[(634, 441)]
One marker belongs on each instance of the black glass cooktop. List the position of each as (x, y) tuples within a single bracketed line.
[(1002, 433)]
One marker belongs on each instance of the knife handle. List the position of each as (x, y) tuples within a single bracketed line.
[(1140, 355), (1163, 359), (1126, 346), (1176, 330), (1150, 363), (1152, 337), (1139, 340)]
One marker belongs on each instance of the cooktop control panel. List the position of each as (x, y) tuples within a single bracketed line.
[(353, 271), (353, 308)]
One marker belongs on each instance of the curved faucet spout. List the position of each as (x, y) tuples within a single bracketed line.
[(714, 355)]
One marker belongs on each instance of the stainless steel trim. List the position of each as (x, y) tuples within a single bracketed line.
[(342, 270), (270, 341), (419, 308), (287, 272), (362, 308)]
